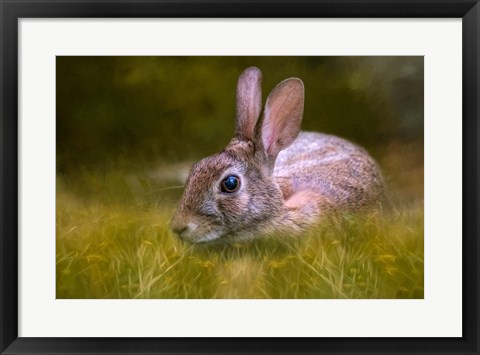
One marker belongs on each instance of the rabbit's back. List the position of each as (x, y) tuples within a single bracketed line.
[(333, 167)]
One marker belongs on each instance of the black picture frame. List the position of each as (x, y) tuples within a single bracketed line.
[(12, 11)]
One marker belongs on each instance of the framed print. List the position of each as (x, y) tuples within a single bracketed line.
[(260, 177)]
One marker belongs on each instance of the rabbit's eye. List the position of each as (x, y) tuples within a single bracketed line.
[(230, 184)]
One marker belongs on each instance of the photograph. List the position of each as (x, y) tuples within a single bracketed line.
[(239, 177), (230, 177)]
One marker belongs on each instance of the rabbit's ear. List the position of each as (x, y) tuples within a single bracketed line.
[(282, 116), (249, 102)]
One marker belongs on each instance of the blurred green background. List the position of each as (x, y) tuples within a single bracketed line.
[(140, 109), (128, 128)]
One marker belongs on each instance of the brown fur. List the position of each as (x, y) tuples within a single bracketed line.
[(288, 181)]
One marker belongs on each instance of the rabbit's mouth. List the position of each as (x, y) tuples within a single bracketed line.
[(208, 238)]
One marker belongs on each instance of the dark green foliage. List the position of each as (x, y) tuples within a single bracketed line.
[(132, 110)]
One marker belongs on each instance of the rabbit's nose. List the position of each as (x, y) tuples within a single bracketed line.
[(179, 228)]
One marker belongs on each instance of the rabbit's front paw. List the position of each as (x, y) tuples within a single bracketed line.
[(307, 206)]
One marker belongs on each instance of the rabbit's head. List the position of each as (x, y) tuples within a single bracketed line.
[(233, 195)]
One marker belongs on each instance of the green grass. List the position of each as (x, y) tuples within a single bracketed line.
[(113, 241)]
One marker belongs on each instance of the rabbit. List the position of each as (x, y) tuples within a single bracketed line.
[(272, 178)]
